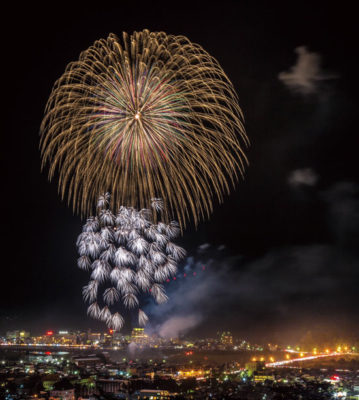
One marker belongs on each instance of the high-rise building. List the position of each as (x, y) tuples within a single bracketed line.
[(138, 336)]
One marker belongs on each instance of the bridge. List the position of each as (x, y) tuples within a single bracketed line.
[(307, 358)]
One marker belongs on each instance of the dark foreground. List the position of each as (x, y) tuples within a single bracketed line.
[(76, 375)]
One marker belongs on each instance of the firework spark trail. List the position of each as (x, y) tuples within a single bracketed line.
[(126, 254), (151, 115)]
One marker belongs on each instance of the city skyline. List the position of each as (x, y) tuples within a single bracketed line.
[(139, 340)]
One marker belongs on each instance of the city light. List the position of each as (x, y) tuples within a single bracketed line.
[(58, 352), (335, 378)]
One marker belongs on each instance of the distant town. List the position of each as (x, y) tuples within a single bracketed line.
[(71, 365)]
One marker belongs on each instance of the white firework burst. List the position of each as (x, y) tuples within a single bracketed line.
[(145, 264), (107, 234), (108, 254), (128, 254), (116, 322), (84, 262), (101, 270), (106, 217), (130, 300), (142, 318), (170, 266), (161, 239), (162, 228), (127, 274), (124, 257), (157, 204), (121, 236), (92, 225), (158, 292), (126, 287), (92, 244), (139, 246), (105, 314), (115, 275), (89, 291), (94, 310), (161, 274), (176, 252), (133, 234), (103, 200), (157, 257), (173, 229), (143, 279), (111, 295), (151, 232)]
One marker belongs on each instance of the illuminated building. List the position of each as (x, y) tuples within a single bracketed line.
[(152, 394), (263, 378), (138, 336), (64, 337), (93, 337), (254, 366), (17, 336), (90, 361), (226, 339), (117, 340), (192, 373), (111, 385), (63, 390)]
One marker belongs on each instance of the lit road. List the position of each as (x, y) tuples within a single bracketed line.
[(306, 358), (44, 345)]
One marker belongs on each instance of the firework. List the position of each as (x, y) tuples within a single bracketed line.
[(127, 254), (146, 116)]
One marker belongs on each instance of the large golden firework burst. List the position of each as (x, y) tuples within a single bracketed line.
[(151, 115)]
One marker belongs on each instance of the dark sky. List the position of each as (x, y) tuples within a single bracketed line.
[(281, 252)]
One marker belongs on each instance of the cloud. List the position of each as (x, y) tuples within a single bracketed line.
[(175, 326), (303, 176), (203, 247), (192, 296), (288, 287), (305, 76), (132, 348)]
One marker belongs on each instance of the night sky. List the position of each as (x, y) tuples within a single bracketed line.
[(280, 255)]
